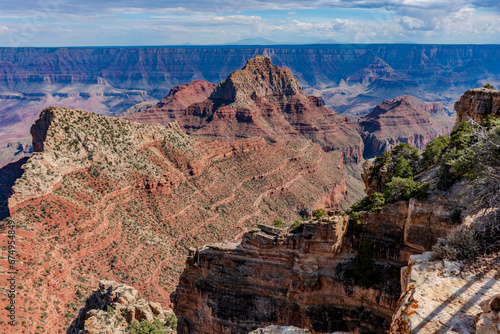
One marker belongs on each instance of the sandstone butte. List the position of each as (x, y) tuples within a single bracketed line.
[(403, 119), (303, 277), (267, 101), (261, 100), (106, 198)]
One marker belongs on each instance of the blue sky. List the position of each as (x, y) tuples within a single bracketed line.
[(165, 22)]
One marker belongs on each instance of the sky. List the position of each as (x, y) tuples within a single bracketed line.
[(211, 22)]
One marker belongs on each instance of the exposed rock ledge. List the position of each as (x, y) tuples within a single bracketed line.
[(436, 299), (112, 308), (302, 279)]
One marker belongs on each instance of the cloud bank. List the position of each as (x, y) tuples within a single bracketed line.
[(155, 22)]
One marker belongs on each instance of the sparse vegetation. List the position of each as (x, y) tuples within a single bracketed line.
[(489, 86), (401, 165), (145, 327), (278, 223), (318, 213), (297, 226), (478, 164)]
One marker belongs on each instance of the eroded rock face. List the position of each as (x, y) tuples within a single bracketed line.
[(261, 100), (477, 104), (112, 308), (287, 280), (108, 198), (404, 119), (436, 299), (304, 279)]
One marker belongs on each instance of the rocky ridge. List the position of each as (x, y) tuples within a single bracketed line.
[(113, 307), (103, 197), (261, 100), (403, 119)]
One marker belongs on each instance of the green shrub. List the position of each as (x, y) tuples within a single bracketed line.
[(384, 158), (318, 213), (403, 168), (361, 205), (376, 203), (399, 188), (461, 137), (489, 86), (278, 223), (171, 321), (406, 151), (434, 150), (145, 327), (297, 226)]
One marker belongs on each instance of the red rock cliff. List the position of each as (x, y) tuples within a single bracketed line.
[(477, 104), (403, 119), (106, 198), (261, 100)]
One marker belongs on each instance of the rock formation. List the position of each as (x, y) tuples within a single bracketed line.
[(477, 104), (350, 79), (112, 308), (104, 197), (16, 150), (260, 100), (322, 275), (404, 119), (305, 277)]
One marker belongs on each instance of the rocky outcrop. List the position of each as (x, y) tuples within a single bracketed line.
[(112, 308), (477, 104), (282, 279), (104, 197), (261, 100), (404, 119), (307, 277), (437, 298), (488, 321)]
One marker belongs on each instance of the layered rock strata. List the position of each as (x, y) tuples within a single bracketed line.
[(103, 197), (477, 104), (304, 278), (351, 80), (404, 119), (261, 100)]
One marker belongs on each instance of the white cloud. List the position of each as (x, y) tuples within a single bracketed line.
[(201, 22), (412, 22)]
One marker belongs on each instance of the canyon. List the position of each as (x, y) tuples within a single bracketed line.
[(102, 197), (363, 274), (129, 198), (350, 79), (312, 275)]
